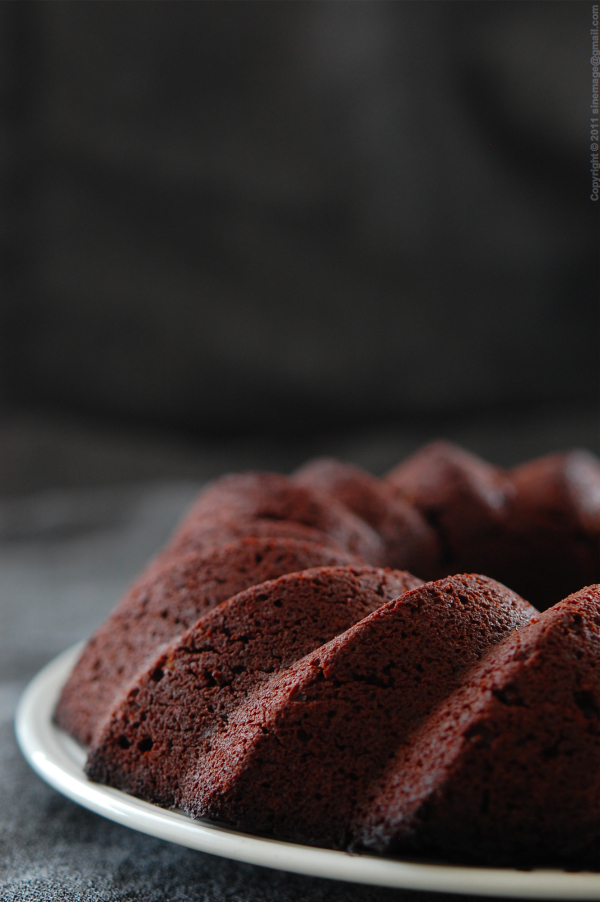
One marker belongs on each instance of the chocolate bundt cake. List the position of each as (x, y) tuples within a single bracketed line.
[(169, 717), (272, 505), (506, 770), (161, 605), (266, 673), (464, 499), (338, 715), (409, 541), (553, 526), (535, 528)]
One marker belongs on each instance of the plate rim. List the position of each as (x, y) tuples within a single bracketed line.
[(58, 760)]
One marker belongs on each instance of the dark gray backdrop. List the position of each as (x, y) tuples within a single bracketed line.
[(249, 216)]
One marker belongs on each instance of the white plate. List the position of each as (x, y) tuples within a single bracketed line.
[(59, 760)]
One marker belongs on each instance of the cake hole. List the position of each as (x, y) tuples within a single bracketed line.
[(145, 745), (479, 734), (124, 742), (509, 696), (157, 675), (551, 752), (485, 802), (586, 703)]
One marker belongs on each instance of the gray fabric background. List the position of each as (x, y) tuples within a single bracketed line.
[(259, 216)]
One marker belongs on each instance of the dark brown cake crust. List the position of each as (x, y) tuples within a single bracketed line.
[(170, 717), (463, 497), (507, 771), (409, 542), (301, 756), (269, 504), (536, 528), (552, 544), (161, 605)]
